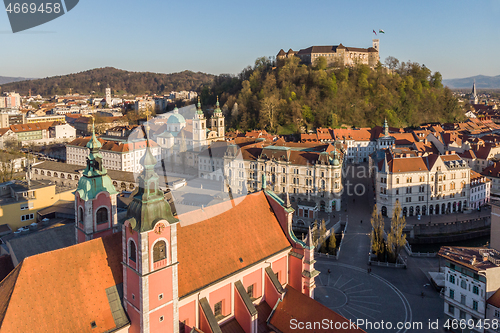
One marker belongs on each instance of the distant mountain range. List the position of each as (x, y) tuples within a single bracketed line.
[(8, 79), (482, 82), (120, 82)]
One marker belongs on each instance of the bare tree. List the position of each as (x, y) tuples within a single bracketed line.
[(396, 238)]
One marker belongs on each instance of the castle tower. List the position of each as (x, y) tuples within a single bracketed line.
[(218, 122), (473, 96), (95, 198), (375, 43), (150, 270), (199, 128)]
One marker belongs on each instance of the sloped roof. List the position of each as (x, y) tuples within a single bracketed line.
[(358, 134), (494, 299), (301, 307), (211, 249), (31, 127), (69, 295), (43, 241), (115, 146)]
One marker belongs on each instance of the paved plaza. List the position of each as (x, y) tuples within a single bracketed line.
[(389, 294)]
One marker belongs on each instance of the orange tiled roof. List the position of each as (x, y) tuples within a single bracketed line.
[(358, 134), (31, 127), (116, 146), (301, 307), (63, 290), (211, 249)]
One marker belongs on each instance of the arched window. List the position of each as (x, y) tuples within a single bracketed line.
[(132, 251), (159, 251), (80, 215), (102, 215)]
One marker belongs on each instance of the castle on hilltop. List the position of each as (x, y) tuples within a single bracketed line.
[(336, 55)]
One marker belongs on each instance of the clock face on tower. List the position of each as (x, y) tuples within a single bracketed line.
[(159, 228)]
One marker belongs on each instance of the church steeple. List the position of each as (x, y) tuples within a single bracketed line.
[(217, 108), (149, 204), (386, 128), (198, 107), (95, 197)]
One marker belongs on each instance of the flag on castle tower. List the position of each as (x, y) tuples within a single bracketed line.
[(374, 32), (381, 31)]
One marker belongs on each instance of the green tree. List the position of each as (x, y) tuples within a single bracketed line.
[(320, 63), (377, 234)]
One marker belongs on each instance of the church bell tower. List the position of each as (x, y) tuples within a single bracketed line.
[(95, 198)]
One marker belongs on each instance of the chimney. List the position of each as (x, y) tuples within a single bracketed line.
[(485, 256)]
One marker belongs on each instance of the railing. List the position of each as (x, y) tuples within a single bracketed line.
[(400, 262), (337, 255), (408, 250)]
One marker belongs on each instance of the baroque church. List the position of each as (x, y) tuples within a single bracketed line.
[(233, 267)]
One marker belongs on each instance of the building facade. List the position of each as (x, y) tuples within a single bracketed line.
[(117, 154), (337, 55), (471, 279), (434, 184)]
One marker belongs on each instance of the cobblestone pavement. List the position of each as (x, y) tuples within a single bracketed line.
[(390, 294)]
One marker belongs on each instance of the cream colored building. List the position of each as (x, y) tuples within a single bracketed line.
[(121, 155), (434, 184), (305, 173), (337, 55)]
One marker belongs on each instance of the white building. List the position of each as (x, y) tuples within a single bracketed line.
[(304, 171), (434, 184), (118, 155), (479, 190), (472, 276)]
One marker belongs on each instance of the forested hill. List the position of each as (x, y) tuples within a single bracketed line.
[(119, 81), (290, 96)]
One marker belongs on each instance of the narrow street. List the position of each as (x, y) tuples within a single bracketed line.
[(390, 294)]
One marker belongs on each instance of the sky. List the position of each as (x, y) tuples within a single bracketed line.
[(457, 38)]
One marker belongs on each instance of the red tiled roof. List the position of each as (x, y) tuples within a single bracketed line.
[(63, 290), (494, 299), (31, 127), (358, 134), (211, 249), (116, 146), (492, 170), (302, 308)]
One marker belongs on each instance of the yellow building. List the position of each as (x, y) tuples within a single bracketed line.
[(57, 117), (20, 202)]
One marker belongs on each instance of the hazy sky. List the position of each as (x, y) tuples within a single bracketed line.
[(457, 38)]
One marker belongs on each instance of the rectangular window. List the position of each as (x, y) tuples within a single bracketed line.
[(218, 309), (463, 284), (474, 305), (462, 315), (463, 299), (475, 290), (451, 309), (452, 279), (250, 291), (452, 294)]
